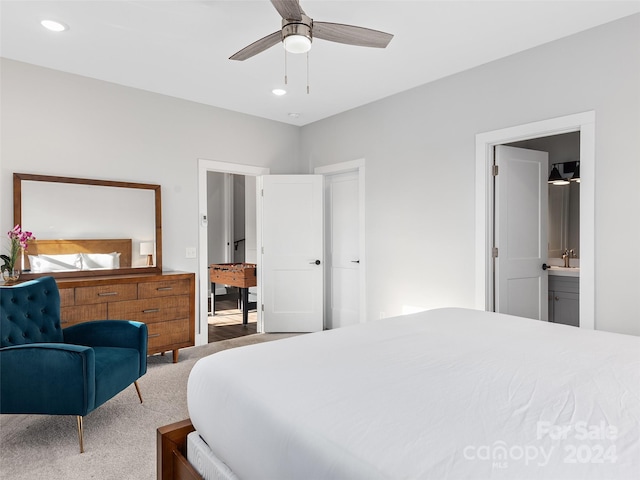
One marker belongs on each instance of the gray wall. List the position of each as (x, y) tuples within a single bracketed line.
[(215, 218), (55, 123), (239, 218), (419, 148)]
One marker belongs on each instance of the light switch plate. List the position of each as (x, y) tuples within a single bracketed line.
[(191, 252)]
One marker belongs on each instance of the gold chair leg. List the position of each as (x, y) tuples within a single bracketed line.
[(138, 390), (80, 433)]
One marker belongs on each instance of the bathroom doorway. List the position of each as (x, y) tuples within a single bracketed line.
[(561, 277), (584, 123)]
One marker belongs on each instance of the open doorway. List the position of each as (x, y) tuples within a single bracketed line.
[(227, 239), (485, 146), (560, 272), (205, 166), (231, 242)]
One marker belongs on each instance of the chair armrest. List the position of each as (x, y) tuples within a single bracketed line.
[(111, 333), (108, 333), (47, 378)]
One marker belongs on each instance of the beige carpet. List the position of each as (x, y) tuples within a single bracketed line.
[(119, 437)]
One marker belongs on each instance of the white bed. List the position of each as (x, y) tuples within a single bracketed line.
[(448, 393)]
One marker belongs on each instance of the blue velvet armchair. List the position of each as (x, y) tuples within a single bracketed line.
[(45, 369)]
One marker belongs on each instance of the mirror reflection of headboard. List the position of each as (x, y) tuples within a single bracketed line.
[(57, 209)]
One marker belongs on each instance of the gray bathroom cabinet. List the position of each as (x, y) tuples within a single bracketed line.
[(564, 300)]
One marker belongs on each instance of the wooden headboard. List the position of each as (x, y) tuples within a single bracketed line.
[(61, 247)]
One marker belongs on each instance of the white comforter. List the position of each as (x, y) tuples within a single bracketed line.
[(449, 393)]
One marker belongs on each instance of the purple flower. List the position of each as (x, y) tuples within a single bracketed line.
[(18, 241)]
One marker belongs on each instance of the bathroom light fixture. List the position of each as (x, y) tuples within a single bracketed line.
[(576, 174), (54, 26), (555, 178)]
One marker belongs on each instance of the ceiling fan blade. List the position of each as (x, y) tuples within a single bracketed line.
[(257, 47), (288, 9), (351, 35)]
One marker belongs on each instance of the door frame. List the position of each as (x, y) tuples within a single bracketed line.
[(585, 124), (359, 167), (204, 166)]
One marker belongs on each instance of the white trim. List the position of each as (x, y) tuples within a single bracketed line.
[(344, 167), (228, 217), (340, 167), (259, 251), (585, 124), (204, 166)]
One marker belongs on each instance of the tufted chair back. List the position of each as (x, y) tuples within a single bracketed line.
[(30, 313)]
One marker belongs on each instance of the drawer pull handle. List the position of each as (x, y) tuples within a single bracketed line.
[(154, 335), (164, 289), (107, 294), (151, 310)]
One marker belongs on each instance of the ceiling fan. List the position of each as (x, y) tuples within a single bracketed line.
[(298, 31)]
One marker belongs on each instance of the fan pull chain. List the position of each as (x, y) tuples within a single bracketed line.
[(285, 66), (307, 73)]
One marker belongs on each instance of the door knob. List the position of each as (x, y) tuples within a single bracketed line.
[(317, 262), (545, 266)]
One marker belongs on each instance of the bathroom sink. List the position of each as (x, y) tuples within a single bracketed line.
[(564, 271)]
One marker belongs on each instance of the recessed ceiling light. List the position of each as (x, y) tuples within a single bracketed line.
[(279, 92), (54, 26), (294, 115)]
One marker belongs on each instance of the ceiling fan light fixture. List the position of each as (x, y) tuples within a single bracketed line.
[(297, 43), (296, 34)]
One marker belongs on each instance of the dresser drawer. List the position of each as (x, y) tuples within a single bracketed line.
[(168, 333), (67, 297), (151, 310), (83, 313), (105, 293), (163, 289)]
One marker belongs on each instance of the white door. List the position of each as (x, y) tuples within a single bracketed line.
[(342, 249), (521, 199), (292, 253)]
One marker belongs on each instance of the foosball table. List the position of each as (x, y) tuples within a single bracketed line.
[(240, 275)]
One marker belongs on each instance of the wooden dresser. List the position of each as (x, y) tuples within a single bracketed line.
[(165, 302)]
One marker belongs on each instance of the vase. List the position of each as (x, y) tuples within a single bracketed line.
[(10, 276)]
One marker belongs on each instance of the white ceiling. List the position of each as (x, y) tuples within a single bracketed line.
[(181, 47)]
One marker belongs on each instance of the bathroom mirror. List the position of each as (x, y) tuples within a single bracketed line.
[(564, 219), (87, 227)]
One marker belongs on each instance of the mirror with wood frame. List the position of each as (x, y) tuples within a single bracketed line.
[(87, 227)]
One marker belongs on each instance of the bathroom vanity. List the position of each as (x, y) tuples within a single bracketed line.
[(564, 296)]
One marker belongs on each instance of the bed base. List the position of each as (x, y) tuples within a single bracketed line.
[(172, 452)]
